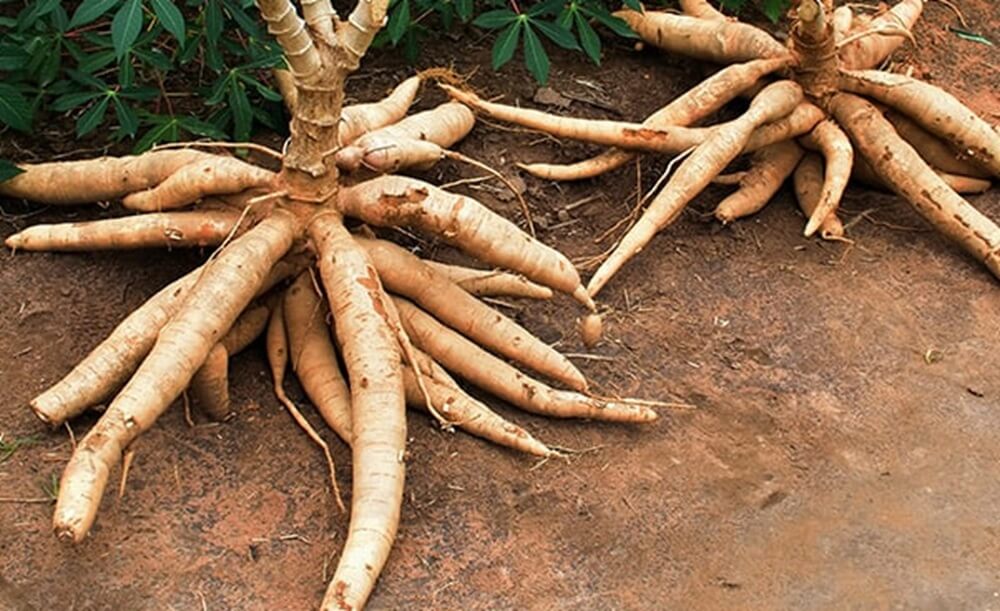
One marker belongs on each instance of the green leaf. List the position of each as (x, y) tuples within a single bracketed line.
[(127, 120), (170, 16), (589, 39), (505, 45), (125, 27), (464, 10), (548, 6), (615, 24), (239, 104), (15, 110), (88, 11), (34, 12), (201, 128), (164, 131), (399, 21), (635, 5), (971, 36), (89, 120), (8, 170), (71, 100), (774, 9), (560, 36), (493, 20), (535, 57)]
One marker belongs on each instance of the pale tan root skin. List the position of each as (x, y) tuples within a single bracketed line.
[(863, 172), (838, 156), (491, 283), (464, 358), (213, 176), (932, 108), (771, 166), (417, 142), (391, 201), (935, 151), (695, 104), (209, 387), (719, 41), (405, 274), (870, 51), (166, 229), (902, 168), (95, 180), (363, 118), (372, 357), (212, 305), (470, 415), (110, 364), (314, 357), (696, 172), (808, 183), (701, 9)]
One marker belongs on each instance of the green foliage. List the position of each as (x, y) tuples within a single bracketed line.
[(146, 71), (564, 23), (774, 9)]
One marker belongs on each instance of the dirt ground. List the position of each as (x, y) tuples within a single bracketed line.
[(843, 453)]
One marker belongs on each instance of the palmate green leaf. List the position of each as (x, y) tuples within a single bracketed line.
[(635, 5), (90, 10), (8, 170), (34, 12), (535, 56), (15, 110), (464, 10), (170, 16), (239, 104), (493, 20), (125, 27), (616, 25), (165, 129), (774, 9), (588, 38), (546, 7), (559, 35), (93, 117), (74, 99), (127, 120), (506, 44)]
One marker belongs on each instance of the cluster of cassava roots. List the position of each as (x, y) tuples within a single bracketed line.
[(286, 266), (813, 104)]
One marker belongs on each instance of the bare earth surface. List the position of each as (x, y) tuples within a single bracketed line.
[(844, 452)]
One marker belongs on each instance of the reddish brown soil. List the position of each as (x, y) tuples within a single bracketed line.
[(830, 462)]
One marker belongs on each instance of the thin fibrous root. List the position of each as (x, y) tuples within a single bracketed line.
[(838, 156), (210, 385), (111, 363), (719, 41), (696, 172), (771, 166), (932, 108), (463, 222), (314, 357), (808, 181), (213, 176), (277, 357), (469, 361), (212, 305), (164, 229), (697, 103), (372, 357), (96, 180), (902, 168), (491, 283), (405, 274)]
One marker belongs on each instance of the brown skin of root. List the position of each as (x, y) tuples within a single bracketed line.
[(405, 274), (808, 183), (902, 168), (838, 158), (167, 229), (964, 185), (215, 176), (491, 283), (870, 51), (934, 150)]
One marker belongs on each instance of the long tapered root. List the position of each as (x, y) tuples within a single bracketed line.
[(808, 182), (902, 168)]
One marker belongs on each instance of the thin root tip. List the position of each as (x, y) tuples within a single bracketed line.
[(581, 295), (811, 228), (13, 242)]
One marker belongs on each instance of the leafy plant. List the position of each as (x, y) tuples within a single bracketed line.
[(130, 66)]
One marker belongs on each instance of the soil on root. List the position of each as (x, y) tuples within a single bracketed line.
[(843, 452)]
